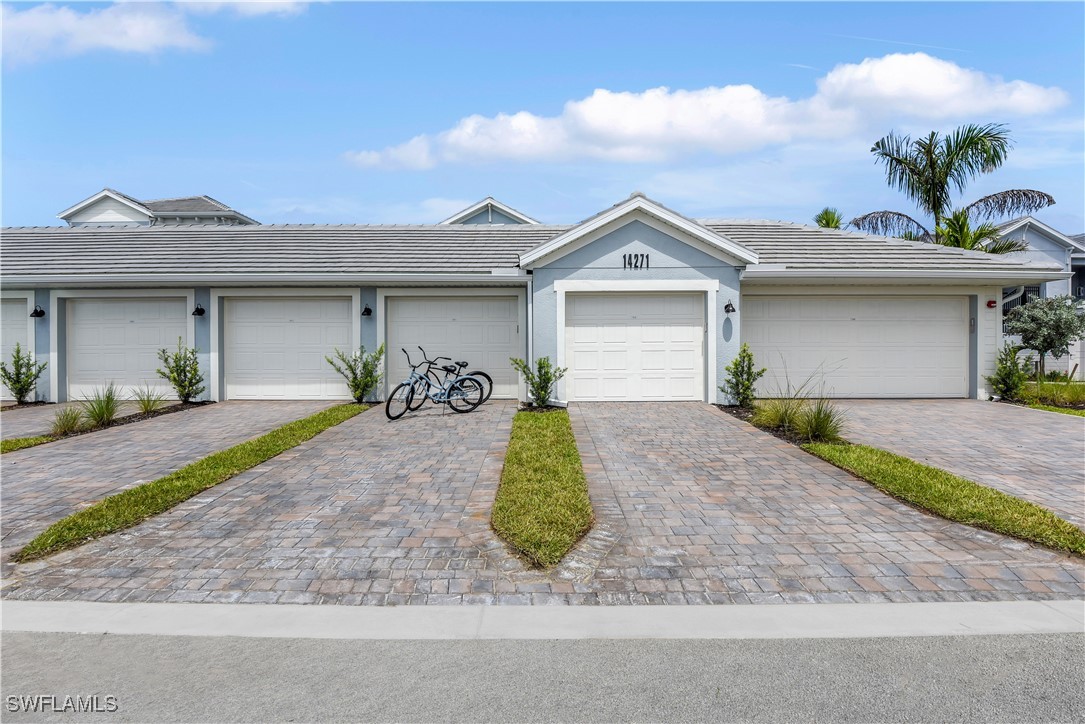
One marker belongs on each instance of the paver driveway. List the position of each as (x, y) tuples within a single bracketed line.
[(693, 506), (1035, 455), (41, 485)]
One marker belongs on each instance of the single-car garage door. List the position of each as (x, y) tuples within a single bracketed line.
[(13, 330), (117, 340), (276, 347), (634, 346), (481, 330), (860, 346)]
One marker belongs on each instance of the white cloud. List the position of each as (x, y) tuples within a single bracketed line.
[(246, 8), (52, 30), (659, 124)]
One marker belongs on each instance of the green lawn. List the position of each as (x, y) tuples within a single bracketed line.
[(953, 497), (20, 443), (1053, 408), (135, 505), (542, 507)]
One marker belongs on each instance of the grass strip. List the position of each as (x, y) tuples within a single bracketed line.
[(542, 507), (1053, 408), (137, 504), (953, 497), (20, 443)]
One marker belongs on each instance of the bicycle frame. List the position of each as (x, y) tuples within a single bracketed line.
[(440, 394)]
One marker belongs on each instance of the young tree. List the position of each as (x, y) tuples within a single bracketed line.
[(1047, 326), (959, 233), (930, 169), (830, 218), (22, 377)]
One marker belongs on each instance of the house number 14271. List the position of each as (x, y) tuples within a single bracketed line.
[(634, 261)]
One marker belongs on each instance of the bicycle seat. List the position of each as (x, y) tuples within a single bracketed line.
[(449, 368), (461, 364)]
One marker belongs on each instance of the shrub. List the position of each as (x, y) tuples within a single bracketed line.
[(779, 413), (1048, 326), (741, 377), (101, 408), (148, 399), (1060, 394), (820, 421), (182, 371), (1010, 373), (541, 381), (22, 377), (361, 370), (67, 421)]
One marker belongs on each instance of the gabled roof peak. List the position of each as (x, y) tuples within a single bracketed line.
[(518, 217)]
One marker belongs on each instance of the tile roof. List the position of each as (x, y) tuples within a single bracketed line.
[(144, 253), (186, 205)]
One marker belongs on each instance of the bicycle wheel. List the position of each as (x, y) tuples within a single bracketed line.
[(418, 396), (399, 401), (487, 383), (465, 394)]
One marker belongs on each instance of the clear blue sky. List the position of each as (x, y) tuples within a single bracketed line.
[(342, 112)]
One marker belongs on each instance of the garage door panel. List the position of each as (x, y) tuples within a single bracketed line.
[(117, 341), (649, 346), (860, 346), (275, 347), (481, 329)]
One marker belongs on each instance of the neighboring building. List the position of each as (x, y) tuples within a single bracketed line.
[(638, 302), (1049, 245), (112, 208)]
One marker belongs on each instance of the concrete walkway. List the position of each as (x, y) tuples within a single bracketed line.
[(43, 484), (1033, 454)]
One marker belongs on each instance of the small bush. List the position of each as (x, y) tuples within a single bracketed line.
[(362, 371), (820, 421), (101, 408), (1010, 373), (67, 420), (779, 413), (1058, 394), (148, 399), (182, 371), (741, 378), (541, 381), (22, 377)]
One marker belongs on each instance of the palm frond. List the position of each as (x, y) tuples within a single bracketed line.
[(890, 223), (973, 150), (829, 218), (1009, 203), (1004, 245), (903, 166), (957, 232)]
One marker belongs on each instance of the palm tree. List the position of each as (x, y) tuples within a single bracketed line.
[(928, 170), (958, 232), (829, 218)]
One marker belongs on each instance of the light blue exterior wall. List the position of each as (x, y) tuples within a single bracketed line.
[(1044, 250), (41, 342), (670, 259), (202, 341), (490, 215)]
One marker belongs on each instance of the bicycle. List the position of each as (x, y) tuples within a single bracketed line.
[(420, 397), (462, 393)]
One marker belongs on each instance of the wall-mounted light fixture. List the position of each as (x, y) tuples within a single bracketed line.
[(367, 312), (729, 308), (991, 304), (199, 311), (38, 312)]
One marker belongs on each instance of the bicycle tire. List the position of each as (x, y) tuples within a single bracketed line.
[(418, 396), (465, 394), (487, 383), (399, 402)]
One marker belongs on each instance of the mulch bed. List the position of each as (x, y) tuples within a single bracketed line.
[(137, 417), (524, 407), (9, 408), (746, 415), (1050, 404)]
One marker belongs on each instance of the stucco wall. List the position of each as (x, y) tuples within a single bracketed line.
[(670, 259)]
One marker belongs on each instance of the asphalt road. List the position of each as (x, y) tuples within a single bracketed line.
[(1020, 678)]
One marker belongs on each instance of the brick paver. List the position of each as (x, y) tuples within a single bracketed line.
[(1035, 455), (40, 485), (692, 506), (35, 420)]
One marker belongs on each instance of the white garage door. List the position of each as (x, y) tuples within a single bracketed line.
[(860, 346), (634, 346), (117, 340), (483, 331), (13, 330), (276, 347)]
